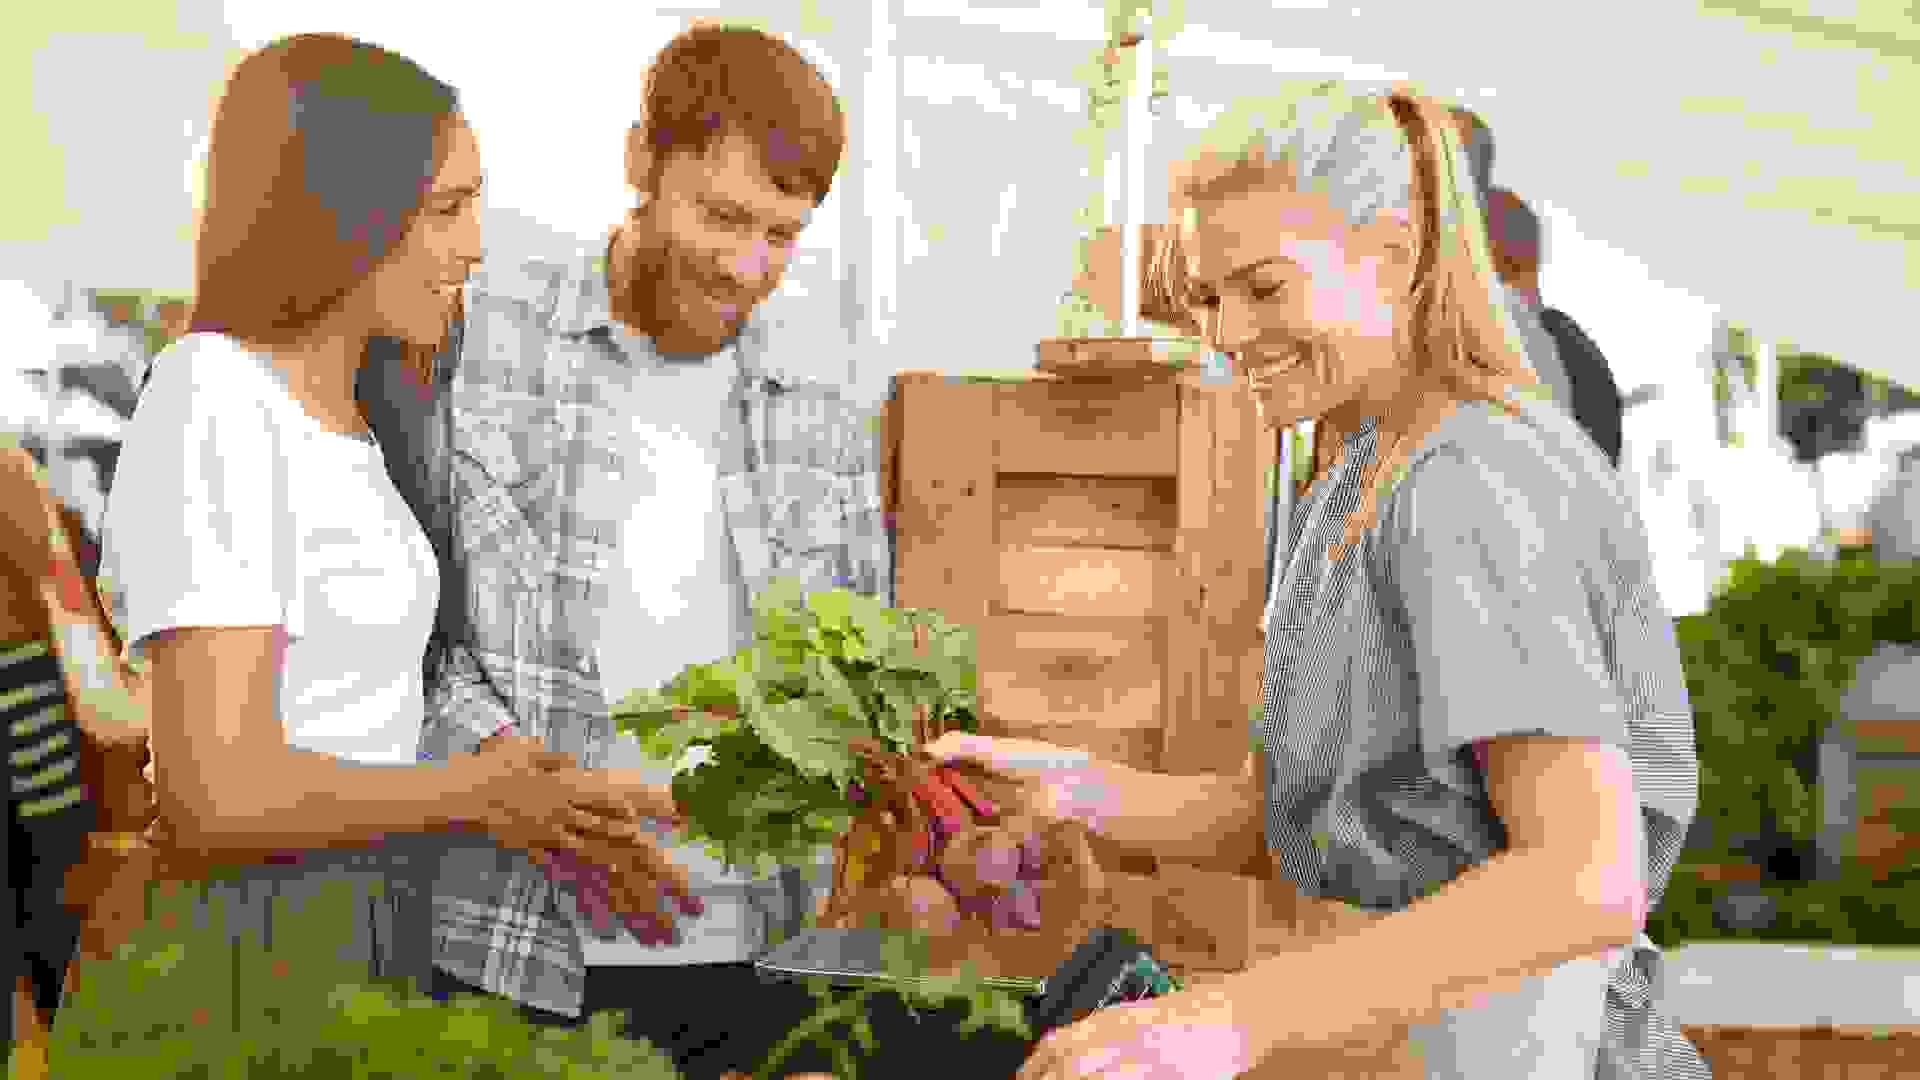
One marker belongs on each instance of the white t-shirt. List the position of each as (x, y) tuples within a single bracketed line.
[(675, 597), (232, 506)]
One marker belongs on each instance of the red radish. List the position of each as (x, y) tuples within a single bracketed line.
[(960, 866), (987, 860), (926, 904), (1018, 908), (1024, 907)]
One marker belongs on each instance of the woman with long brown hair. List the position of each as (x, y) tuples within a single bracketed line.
[(279, 589), (1476, 754)]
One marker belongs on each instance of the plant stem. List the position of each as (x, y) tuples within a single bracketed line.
[(812, 1028)]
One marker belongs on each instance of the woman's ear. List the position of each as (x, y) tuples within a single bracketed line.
[(1393, 233)]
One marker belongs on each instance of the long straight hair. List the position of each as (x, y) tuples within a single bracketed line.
[(322, 152), (1370, 151)]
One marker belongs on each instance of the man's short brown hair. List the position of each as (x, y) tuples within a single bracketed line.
[(713, 81)]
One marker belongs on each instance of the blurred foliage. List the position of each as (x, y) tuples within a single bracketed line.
[(1105, 77), (1766, 665), (180, 999), (141, 307), (1857, 907)]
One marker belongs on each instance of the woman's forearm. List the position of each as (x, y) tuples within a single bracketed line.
[(304, 799), (1212, 821), (1500, 924)]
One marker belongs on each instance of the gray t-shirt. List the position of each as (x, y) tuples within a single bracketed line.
[(1506, 588)]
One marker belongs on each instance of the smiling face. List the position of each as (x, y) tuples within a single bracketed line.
[(712, 243), (1309, 306), (411, 294)]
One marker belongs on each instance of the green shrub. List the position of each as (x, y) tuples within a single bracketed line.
[(1855, 908), (1766, 665), (180, 1000)]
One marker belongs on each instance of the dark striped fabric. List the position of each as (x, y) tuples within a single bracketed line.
[(49, 813), (1506, 588)]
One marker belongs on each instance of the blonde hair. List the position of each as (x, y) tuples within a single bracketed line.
[(1370, 151)]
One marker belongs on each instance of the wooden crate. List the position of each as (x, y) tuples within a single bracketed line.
[(1839, 1053), (1104, 539)]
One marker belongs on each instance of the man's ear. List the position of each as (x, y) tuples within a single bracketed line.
[(639, 162)]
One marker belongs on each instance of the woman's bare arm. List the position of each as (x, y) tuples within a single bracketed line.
[(229, 781), (1214, 822)]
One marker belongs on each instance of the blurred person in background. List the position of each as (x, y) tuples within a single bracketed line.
[(1477, 144), (586, 402), (1592, 395), (1476, 138), (258, 557), (1477, 758), (173, 318), (1894, 520), (73, 761)]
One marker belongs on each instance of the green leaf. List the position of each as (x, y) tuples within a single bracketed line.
[(815, 741), (834, 687)]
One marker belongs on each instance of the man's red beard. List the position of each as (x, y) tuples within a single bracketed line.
[(643, 279), (657, 281)]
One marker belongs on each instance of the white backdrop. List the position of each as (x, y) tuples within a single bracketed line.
[(1761, 164)]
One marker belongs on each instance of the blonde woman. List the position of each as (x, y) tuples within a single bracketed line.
[(1476, 739)]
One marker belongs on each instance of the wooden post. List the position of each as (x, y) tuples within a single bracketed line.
[(944, 528)]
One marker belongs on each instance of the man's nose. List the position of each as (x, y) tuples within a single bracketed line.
[(749, 267)]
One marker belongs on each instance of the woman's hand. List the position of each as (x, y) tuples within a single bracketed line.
[(1053, 783), (1201, 1033), (582, 827)]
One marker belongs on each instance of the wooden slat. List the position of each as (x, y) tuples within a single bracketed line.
[(1051, 671), (1232, 602), (1886, 736), (1134, 748), (944, 547), (1243, 448), (1136, 900), (1066, 511), (1106, 582), (1186, 633), (1087, 428), (888, 422), (1208, 917)]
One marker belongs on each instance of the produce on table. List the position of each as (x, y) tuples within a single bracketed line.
[(812, 736)]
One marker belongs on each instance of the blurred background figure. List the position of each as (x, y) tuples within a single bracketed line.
[(1894, 521), (1478, 139), (64, 395), (1592, 395)]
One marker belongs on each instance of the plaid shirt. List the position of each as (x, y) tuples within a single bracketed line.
[(525, 427)]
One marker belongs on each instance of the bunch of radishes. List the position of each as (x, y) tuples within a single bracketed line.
[(962, 861)]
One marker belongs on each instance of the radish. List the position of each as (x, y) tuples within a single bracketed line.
[(924, 904), (989, 860), (1018, 908)]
